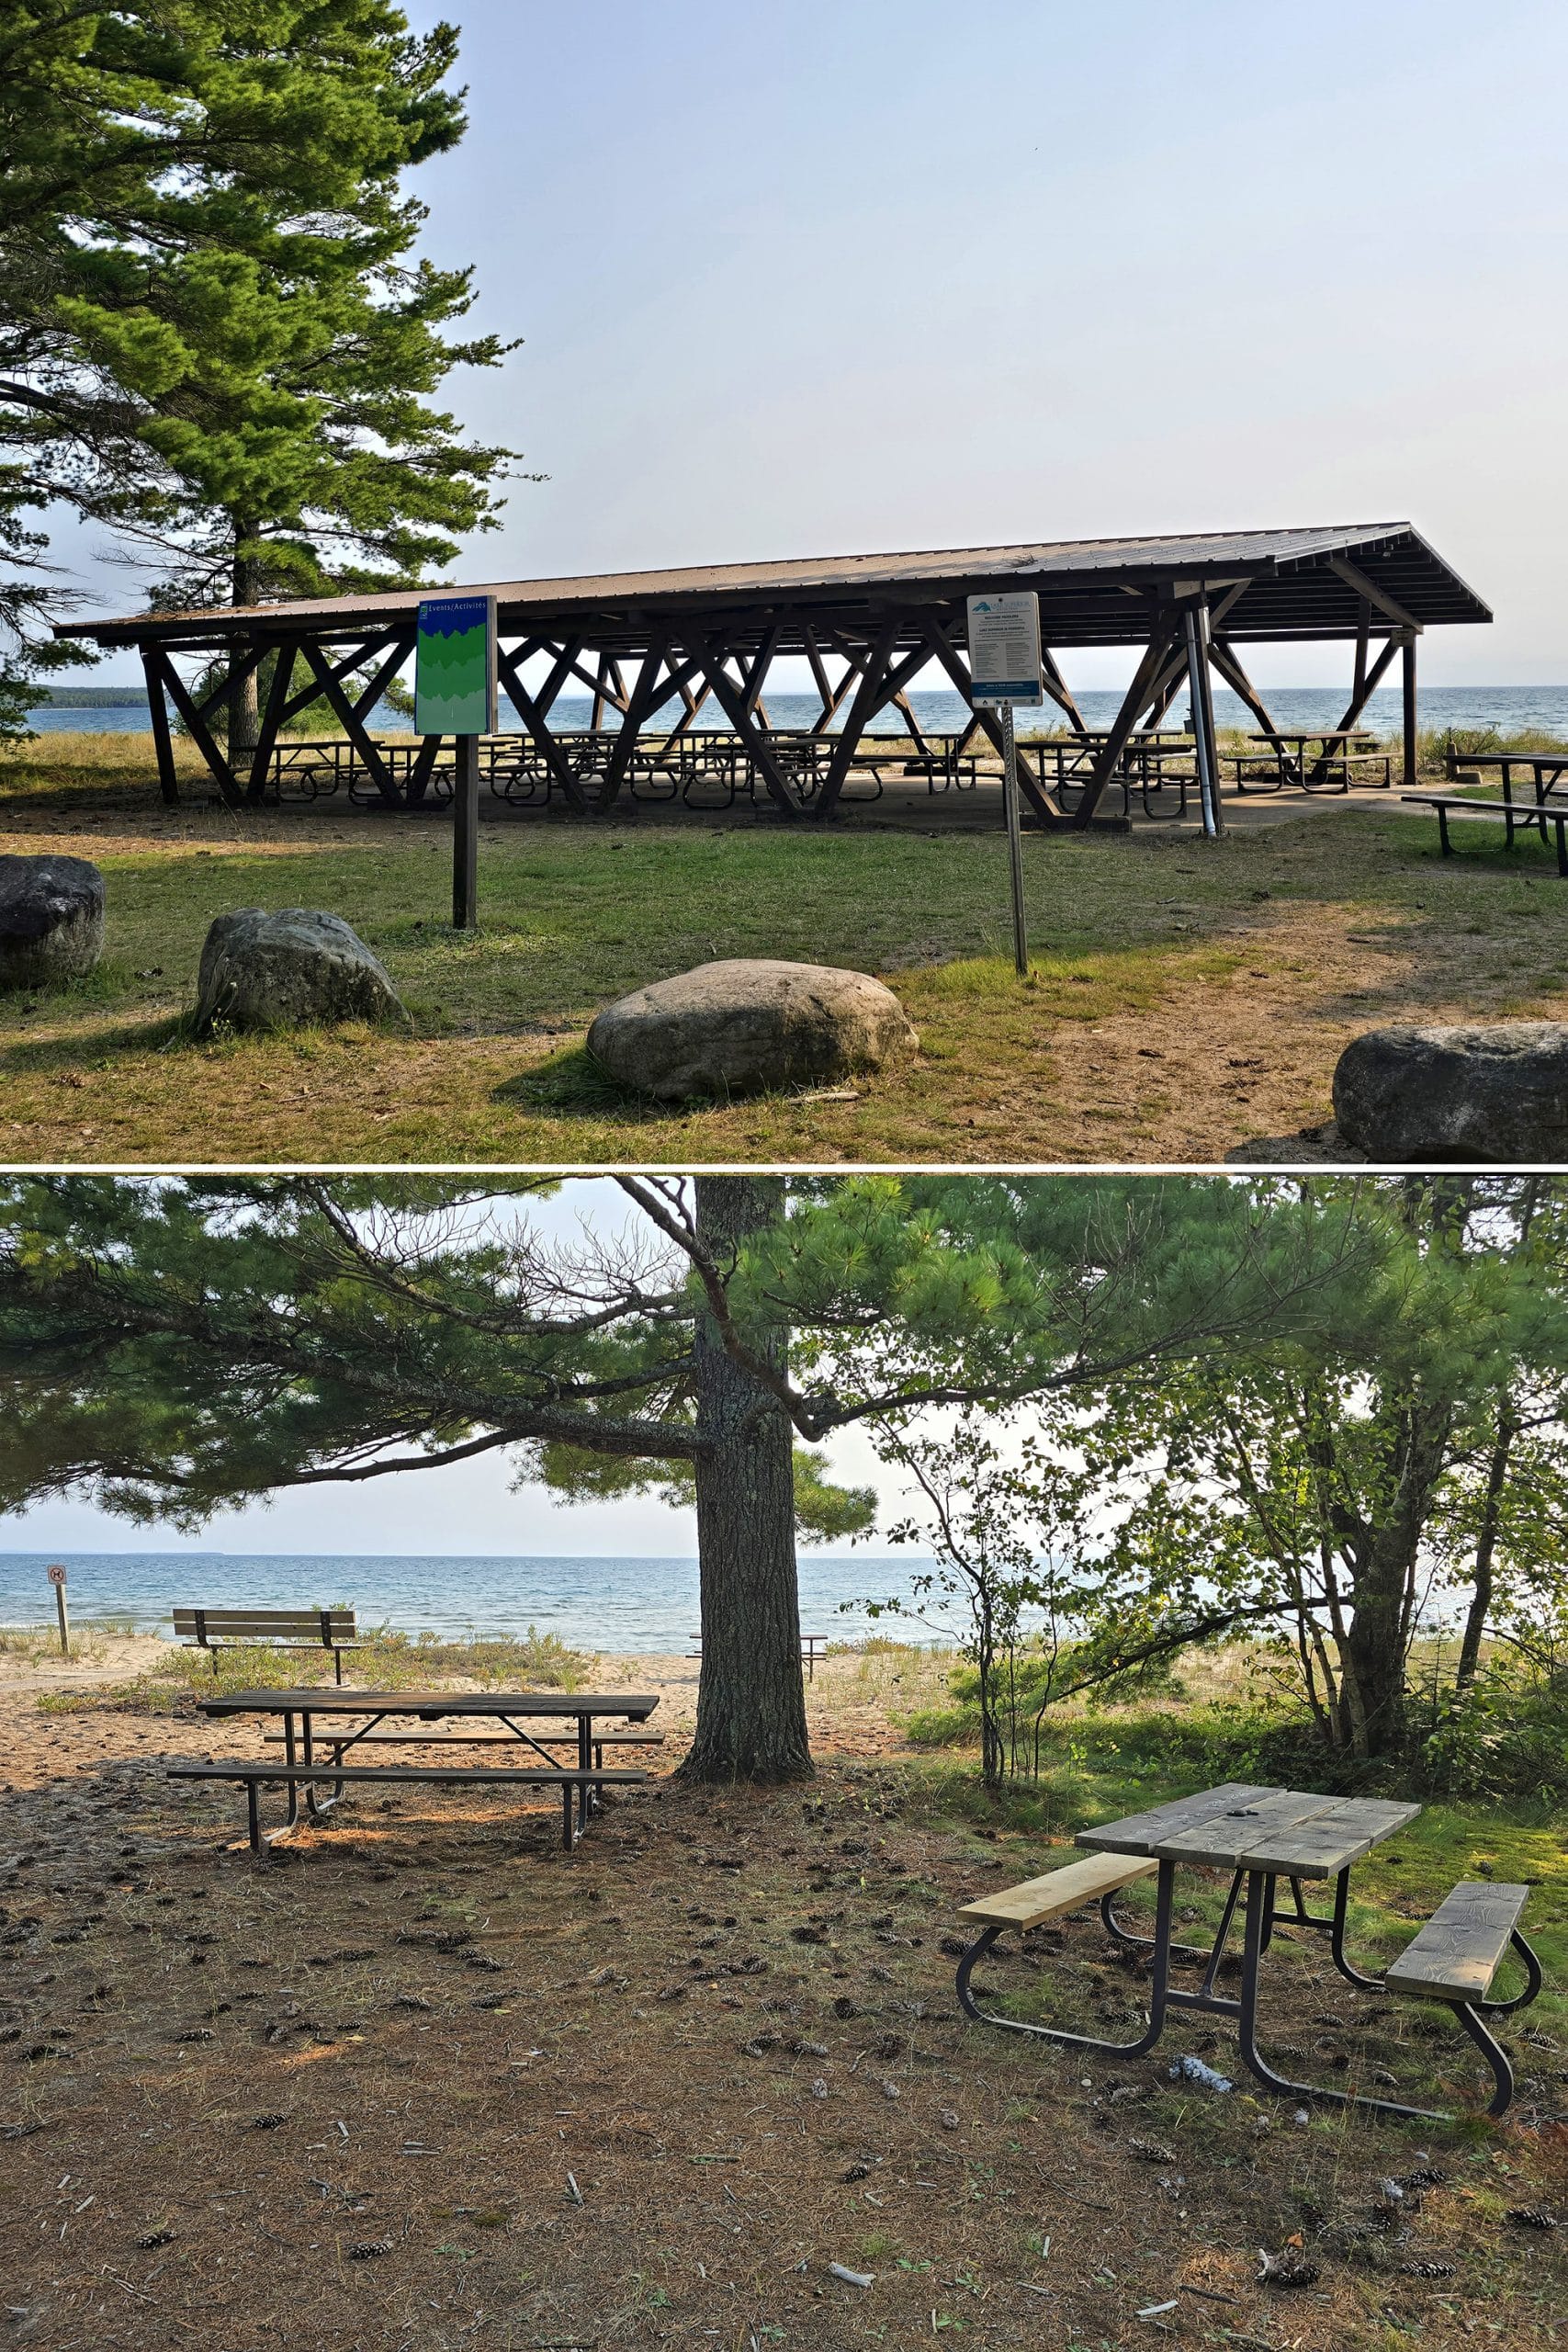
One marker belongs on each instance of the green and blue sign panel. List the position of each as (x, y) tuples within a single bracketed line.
[(453, 677)]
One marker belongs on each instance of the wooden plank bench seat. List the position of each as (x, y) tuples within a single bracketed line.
[(1093, 1878), (1518, 816), (627, 1735), (1455, 1958), (253, 1774), (1067, 1889), (273, 1629), (1459, 1951)]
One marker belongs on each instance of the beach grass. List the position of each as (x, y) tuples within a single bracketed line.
[(1184, 996)]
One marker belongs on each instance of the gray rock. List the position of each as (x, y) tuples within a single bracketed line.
[(52, 919), (747, 1025), (298, 969), (1495, 1092)]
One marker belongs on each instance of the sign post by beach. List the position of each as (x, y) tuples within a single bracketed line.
[(57, 1579), (1004, 669), (453, 694)]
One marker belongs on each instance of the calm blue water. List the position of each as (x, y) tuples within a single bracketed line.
[(645, 1605), (1507, 708)]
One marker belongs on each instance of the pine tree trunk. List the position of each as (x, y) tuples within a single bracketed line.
[(244, 704), (1486, 1552), (750, 1694)]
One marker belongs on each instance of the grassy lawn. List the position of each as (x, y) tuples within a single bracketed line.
[(1186, 996), (425, 2081)]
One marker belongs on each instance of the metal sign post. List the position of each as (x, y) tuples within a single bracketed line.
[(455, 695), (57, 1579), (1004, 669)]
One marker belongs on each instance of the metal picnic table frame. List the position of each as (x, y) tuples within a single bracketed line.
[(1259, 1834), (300, 1708), (1287, 747)]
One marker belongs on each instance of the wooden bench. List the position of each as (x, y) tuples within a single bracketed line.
[(1455, 1958), (277, 1629), (572, 1780), (1518, 817), (1093, 1879)]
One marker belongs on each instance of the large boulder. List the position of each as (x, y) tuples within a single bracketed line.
[(298, 969), (52, 919), (1497, 1092), (747, 1025)]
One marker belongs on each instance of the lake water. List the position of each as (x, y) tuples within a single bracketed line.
[(622, 1604), (1510, 709)]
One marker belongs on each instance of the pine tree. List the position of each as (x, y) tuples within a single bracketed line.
[(214, 333)]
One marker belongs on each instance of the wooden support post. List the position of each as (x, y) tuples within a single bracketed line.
[(1229, 664), (901, 703), (272, 718), (57, 1579), (367, 700), (868, 696), (422, 769), (708, 652), (222, 773), (465, 836), (951, 661), (1059, 691), (1363, 630), (534, 719), (833, 698), (596, 716), (1134, 702), (339, 669), (1368, 686), (353, 726), (158, 711), (1407, 684), (644, 699)]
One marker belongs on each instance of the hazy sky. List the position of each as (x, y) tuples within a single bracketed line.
[(468, 1507), (837, 275)]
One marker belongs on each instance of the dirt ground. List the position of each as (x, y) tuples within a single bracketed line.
[(422, 2081)]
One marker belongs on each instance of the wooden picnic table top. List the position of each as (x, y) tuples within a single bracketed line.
[(1314, 735), (1294, 1832), (1510, 759), (328, 1699)]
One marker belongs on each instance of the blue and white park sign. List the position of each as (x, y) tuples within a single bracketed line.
[(454, 675), (1004, 647)]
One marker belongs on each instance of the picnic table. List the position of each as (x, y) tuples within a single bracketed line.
[(338, 1719), (1283, 758), (1261, 1836), (1546, 770)]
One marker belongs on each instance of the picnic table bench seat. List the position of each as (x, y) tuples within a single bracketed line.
[(1455, 1959), (253, 1773), (1518, 817), (1093, 1878), (627, 1735), (1035, 1900), (1459, 1951)]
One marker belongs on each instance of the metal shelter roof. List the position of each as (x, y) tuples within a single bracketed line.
[(1302, 583)]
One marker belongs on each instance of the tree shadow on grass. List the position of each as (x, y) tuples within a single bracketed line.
[(24, 1056)]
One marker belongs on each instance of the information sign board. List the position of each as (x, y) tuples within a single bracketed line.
[(1004, 649), (453, 677)]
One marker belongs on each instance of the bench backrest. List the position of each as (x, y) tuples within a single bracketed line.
[(330, 1627)]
